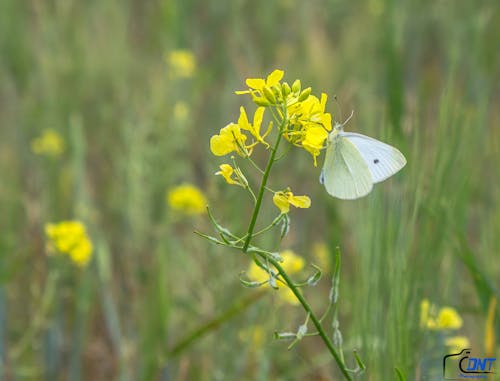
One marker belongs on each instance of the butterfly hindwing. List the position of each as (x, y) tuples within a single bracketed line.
[(345, 174), (382, 160)]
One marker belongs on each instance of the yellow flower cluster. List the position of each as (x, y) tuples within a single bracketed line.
[(70, 237), (181, 63), (305, 122), (443, 319), (49, 143), (292, 263), (188, 199)]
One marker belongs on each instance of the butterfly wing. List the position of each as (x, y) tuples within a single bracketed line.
[(382, 160), (345, 173)]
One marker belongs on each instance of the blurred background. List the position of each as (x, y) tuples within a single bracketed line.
[(107, 106)]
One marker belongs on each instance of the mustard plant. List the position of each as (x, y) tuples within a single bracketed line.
[(297, 119)]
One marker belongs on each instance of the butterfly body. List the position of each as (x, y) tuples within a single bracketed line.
[(354, 162)]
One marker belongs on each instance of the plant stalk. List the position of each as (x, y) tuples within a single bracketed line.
[(313, 317), (261, 193)]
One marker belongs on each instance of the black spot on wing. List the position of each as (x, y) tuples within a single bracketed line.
[(376, 161)]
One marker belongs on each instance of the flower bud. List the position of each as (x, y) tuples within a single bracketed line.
[(285, 89), (296, 86), (260, 101), (305, 94), (268, 94)]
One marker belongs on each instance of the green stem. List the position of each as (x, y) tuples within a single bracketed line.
[(261, 193), (314, 319), (226, 315), (40, 320)]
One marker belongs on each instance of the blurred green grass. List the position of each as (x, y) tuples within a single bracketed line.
[(422, 75)]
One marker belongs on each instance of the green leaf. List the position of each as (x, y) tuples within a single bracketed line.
[(484, 286), (401, 376)]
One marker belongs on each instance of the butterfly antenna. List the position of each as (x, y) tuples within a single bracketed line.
[(348, 119)]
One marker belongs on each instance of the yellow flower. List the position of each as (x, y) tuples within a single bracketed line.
[(255, 128), (309, 123), (457, 343), (70, 237), (424, 312), (227, 171), (229, 139), (292, 263), (322, 255), (181, 111), (489, 329), (445, 318), (448, 318), (314, 141), (283, 200), (258, 83), (188, 199), (253, 336), (182, 63), (50, 143)]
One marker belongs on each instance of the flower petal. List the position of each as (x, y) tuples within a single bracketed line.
[(274, 77)]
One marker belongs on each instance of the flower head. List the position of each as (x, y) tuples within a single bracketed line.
[(70, 237), (230, 139), (182, 63), (457, 343), (292, 263), (283, 200), (443, 319), (232, 175), (49, 143), (255, 128), (187, 198), (309, 124)]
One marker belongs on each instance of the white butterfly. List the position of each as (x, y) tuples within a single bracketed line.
[(355, 162)]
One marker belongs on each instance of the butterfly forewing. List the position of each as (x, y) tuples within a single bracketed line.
[(382, 160), (345, 173)]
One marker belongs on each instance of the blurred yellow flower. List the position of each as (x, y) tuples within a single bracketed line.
[(49, 143), (489, 329), (182, 63), (457, 343), (448, 318), (253, 337), (292, 263), (322, 254), (283, 200), (445, 318), (70, 237), (229, 139), (181, 111), (187, 198)]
